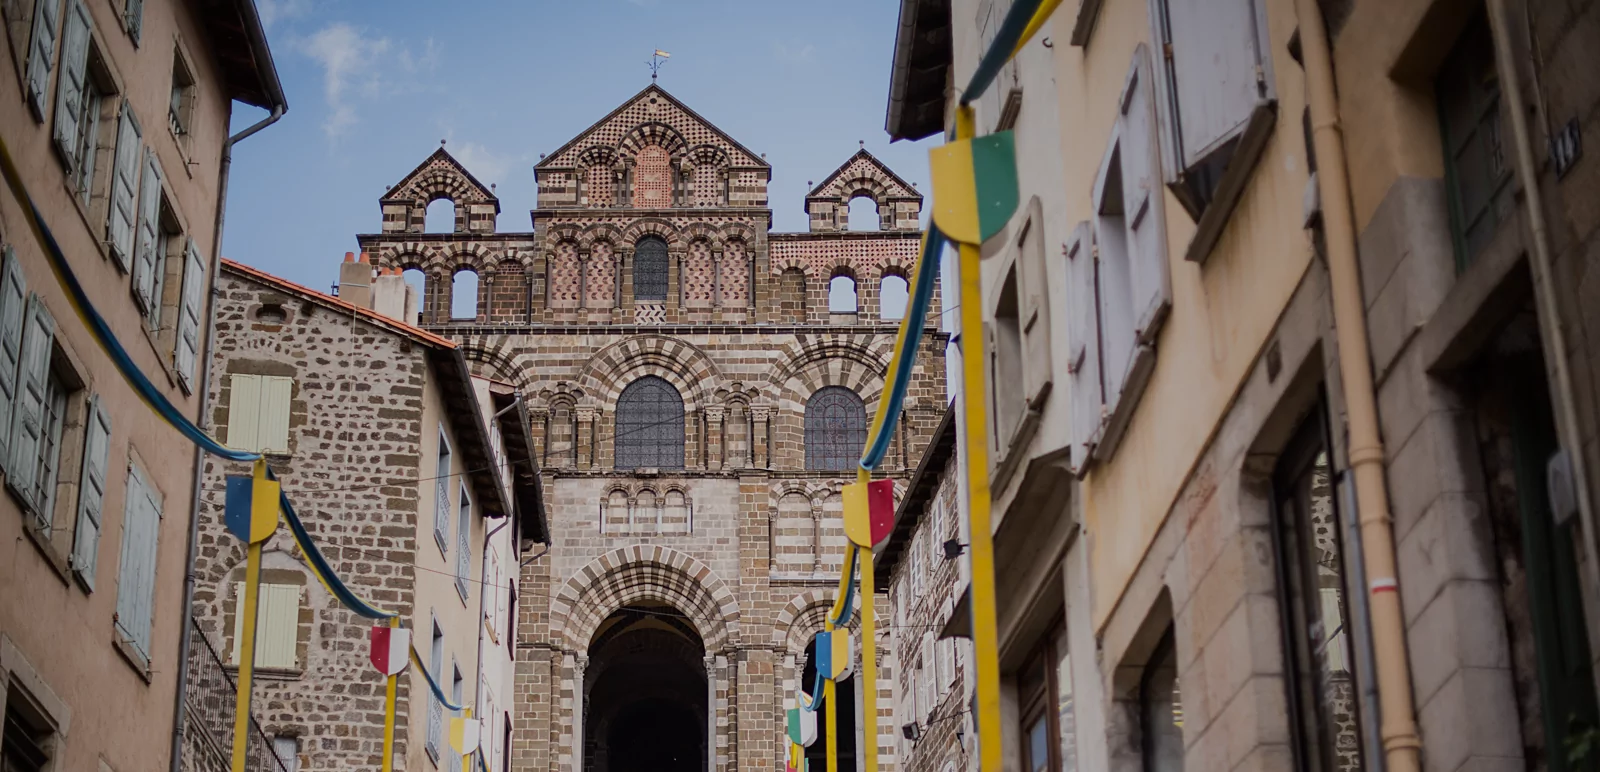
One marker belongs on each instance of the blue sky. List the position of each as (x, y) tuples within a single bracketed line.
[(373, 87)]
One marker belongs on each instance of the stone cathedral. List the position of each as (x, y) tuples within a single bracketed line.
[(697, 406)]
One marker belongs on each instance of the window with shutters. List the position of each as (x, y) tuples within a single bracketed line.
[(32, 737), (190, 313), (650, 430), (1006, 366), (133, 23), (42, 42), (650, 270), (91, 494), (277, 625), (258, 412), (464, 542), (494, 605), (441, 495), (435, 738), (181, 104), (457, 689), (136, 570), (85, 107), (46, 415), (1117, 265), (1477, 175), (122, 218), (836, 429), (287, 749), (1217, 105), (151, 240), (166, 282)]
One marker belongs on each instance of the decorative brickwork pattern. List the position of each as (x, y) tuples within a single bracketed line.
[(700, 276), (600, 289), (735, 275), (653, 178), (565, 276)]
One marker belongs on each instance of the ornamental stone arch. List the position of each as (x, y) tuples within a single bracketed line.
[(653, 226), (708, 155), (470, 256), (831, 360), (803, 617), (700, 231), (644, 574), (738, 231), (652, 133), (600, 233), (492, 356), (680, 363), (562, 233), (407, 255)]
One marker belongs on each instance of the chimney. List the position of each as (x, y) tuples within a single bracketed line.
[(389, 296), (413, 316), (355, 280)]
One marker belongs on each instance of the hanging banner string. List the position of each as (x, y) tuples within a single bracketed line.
[(438, 693), (924, 277), (319, 564), (97, 324)]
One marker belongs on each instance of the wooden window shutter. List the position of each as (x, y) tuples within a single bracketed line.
[(13, 314), (133, 19), (244, 412), (464, 542), (27, 418), (277, 625), (1150, 281), (124, 182), (91, 494), (189, 310), (141, 526), (273, 422), (1083, 344), (441, 497), (1215, 70), (70, 85), (42, 53), (145, 264)]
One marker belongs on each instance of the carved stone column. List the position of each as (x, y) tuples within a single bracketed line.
[(760, 450), (584, 441), (714, 437), (580, 661), (816, 537), (710, 661)]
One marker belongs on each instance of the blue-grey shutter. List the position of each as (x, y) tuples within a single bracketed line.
[(192, 302), (441, 495), (13, 312), (1142, 201), (141, 526), (463, 542), (42, 53), (1215, 66), (124, 183), (27, 419), (145, 263), (91, 493), (70, 86), (133, 19), (1083, 345)]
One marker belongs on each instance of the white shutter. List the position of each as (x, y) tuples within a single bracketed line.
[(133, 21), (244, 412), (13, 312), (42, 53), (1083, 344), (463, 542), (141, 526), (124, 181), (1215, 68), (1142, 202), (491, 585), (91, 493), (27, 419), (192, 302), (273, 424), (145, 264), (70, 85), (280, 622)]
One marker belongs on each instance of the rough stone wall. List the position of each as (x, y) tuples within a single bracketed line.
[(355, 432)]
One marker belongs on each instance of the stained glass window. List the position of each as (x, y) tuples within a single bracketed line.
[(836, 429), (650, 425), (650, 269)]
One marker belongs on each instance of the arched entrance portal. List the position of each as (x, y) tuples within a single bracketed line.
[(845, 693), (645, 693)]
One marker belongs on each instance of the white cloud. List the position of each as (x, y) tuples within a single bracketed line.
[(351, 66), (485, 164), (272, 11), (797, 53)]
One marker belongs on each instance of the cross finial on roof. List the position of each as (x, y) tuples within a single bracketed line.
[(441, 143)]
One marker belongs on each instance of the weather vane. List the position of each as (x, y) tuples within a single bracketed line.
[(657, 59)]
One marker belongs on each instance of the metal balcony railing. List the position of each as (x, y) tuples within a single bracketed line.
[(209, 697)]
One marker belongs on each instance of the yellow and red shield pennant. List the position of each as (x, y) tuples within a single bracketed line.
[(868, 512), (974, 186)]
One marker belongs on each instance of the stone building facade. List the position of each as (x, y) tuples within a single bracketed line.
[(408, 472), (697, 407)]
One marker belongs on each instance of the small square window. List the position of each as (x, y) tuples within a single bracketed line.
[(30, 737)]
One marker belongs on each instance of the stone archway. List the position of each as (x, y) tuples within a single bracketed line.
[(645, 698)]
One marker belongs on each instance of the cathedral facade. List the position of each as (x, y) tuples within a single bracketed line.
[(698, 402)]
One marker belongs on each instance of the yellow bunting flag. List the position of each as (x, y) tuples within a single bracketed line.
[(974, 186)]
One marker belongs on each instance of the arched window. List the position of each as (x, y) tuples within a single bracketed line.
[(836, 429), (842, 295), (650, 269), (464, 295), (649, 425), (863, 215), (893, 292), (440, 217)]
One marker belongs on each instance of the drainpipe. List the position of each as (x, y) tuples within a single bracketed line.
[(1401, 746), (204, 385), (1568, 429)]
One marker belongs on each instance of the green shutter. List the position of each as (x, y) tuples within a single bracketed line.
[(42, 53), (191, 303), (71, 85), (27, 419), (145, 263), (13, 311), (91, 493)]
